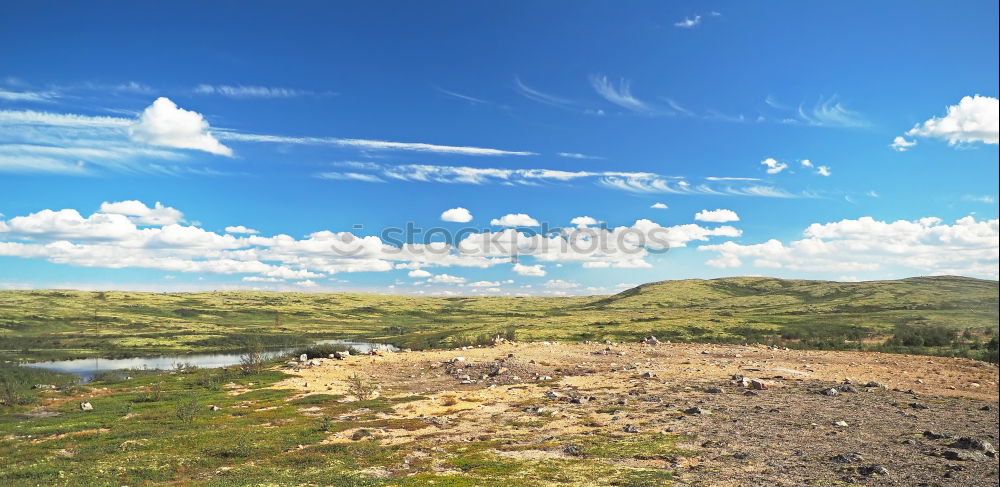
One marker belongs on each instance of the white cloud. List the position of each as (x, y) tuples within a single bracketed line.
[(529, 270), (141, 214), (561, 284), (241, 229), (29, 96), (251, 91), (577, 155), (306, 283), (350, 176), (458, 215), (418, 273), (582, 221), (620, 95), (369, 144), (659, 206), (828, 112), (636, 182), (966, 247), (974, 119), (544, 98), (164, 124), (773, 166), (515, 220), (484, 284), (446, 279), (823, 170), (688, 22), (901, 144), (806, 163), (717, 216)]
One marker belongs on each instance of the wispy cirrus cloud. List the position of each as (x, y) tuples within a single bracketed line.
[(620, 94), (28, 96), (370, 144), (633, 182), (253, 91), (471, 99), (829, 112)]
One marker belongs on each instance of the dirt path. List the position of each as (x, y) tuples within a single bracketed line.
[(893, 419)]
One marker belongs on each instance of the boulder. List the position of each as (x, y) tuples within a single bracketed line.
[(86, 406)]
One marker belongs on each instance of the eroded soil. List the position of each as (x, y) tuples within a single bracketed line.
[(893, 420)]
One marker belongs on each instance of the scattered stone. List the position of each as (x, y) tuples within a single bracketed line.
[(873, 470), (573, 450), (917, 405), (43, 386), (829, 392), (963, 455), (630, 429), (876, 384), (714, 390), (458, 359), (758, 385), (847, 388), (86, 406), (361, 433), (303, 357), (985, 408), (840, 424), (648, 375), (970, 443), (291, 363), (697, 411), (849, 457), (214, 408), (650, 340), (933, 435), (551, 394)]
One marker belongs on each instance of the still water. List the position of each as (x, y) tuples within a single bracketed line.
[(86, 368)]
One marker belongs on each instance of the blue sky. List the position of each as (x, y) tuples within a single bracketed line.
[(846, 141)]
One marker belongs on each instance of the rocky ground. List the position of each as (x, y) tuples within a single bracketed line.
[(741, 415)]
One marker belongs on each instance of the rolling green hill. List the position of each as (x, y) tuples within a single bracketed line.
[(937, 315)]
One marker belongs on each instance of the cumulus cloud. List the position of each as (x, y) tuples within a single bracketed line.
[(717, 216), (900, 143), (484, 284), (446, 279), (582, 221), (823, 170), (241, 229), (966, 247), (806, 163), (561, 284), (141, 214), (165, 124), (974, 119), (536, 270), (773, 166), (658, 206), (515, 220), (458, 215), (131, 234)]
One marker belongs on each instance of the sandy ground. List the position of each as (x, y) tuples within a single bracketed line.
[(788, 433)]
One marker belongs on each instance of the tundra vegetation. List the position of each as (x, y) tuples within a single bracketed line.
[(949, 316), (264, 422)]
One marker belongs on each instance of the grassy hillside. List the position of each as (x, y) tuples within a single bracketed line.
[(941, 315)]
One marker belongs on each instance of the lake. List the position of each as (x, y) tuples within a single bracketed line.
[(86, 368)]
